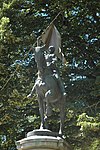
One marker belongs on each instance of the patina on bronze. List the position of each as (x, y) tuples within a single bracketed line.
[(48, 86)]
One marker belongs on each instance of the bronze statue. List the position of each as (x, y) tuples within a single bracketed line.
[(48, 85)]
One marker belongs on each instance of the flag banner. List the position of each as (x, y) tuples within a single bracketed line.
[(51, 37)]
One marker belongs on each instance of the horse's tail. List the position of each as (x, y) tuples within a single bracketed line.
[(61, 99)]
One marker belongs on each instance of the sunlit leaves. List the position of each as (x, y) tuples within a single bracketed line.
[(21, 22), (88, 123)]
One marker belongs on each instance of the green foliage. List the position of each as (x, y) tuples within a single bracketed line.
[(96, 88), (21, 22), (95, 145), (88, 123)]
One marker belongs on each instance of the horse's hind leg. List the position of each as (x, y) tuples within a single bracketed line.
[(48, 97), (62, 117), (41, 110)]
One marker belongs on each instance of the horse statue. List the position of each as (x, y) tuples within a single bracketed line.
[(48, 86)]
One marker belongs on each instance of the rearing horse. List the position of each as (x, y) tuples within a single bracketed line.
[(49, 90)]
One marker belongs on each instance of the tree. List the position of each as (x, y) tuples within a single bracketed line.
[(21, 22)]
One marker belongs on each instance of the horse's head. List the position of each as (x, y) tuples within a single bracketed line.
[(39, 58)]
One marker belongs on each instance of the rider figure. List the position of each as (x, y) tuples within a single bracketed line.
[(51, 60)]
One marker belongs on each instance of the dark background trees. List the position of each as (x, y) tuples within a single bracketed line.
[(21, 22)]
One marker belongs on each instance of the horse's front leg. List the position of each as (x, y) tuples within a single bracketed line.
[(32, 92), (41, 110)]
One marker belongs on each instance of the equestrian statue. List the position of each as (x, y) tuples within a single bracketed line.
[(48, 86)]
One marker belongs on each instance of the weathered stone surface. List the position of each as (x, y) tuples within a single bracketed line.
[(43, 132), (42, 142)]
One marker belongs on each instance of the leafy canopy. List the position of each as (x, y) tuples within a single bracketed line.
[(21, 22)]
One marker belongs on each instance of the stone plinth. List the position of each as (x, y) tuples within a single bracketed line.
[(42, 142)]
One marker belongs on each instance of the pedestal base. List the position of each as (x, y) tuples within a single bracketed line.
[(42, 142)]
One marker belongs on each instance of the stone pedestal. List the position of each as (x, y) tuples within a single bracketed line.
[(42, 140)]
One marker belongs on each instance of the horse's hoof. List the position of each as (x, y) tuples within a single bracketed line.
[(60, 132)]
